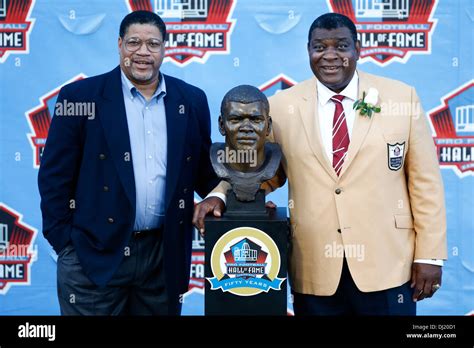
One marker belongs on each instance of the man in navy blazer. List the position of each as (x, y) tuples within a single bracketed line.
[(125, 152)]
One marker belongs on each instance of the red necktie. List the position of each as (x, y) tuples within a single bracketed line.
[(340, 136)]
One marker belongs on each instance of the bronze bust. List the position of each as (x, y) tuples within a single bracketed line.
[(245, 160)]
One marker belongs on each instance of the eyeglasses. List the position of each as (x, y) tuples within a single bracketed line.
[(153, 45)]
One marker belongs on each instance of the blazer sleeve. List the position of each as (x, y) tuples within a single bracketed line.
[(279, 178), (206, 178), (57, 176), (425, 187)]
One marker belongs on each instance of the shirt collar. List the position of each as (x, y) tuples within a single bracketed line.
[(325, 94), (131, 91)]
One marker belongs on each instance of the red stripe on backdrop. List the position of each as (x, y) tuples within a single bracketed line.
[(143, 5), (344, 7), (19, 10), (218, 10)]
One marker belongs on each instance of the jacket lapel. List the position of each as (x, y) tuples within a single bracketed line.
[(310, 119), (114, 122), (177, 111), (361, 126)]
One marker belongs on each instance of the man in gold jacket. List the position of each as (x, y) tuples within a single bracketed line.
[(366, 198)]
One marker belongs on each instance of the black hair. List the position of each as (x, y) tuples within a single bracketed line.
[(142, 17), (245, 94), (333, 20)]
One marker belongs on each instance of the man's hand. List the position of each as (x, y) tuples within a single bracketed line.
[(210, 205), (425, 278), (270, 205)]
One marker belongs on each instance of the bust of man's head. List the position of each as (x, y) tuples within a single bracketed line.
[(245, 160), (245, 122)]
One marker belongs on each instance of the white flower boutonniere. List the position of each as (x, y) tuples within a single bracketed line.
[(367, 105)]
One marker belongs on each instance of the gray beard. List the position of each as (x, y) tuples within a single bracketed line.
[(141, 78)]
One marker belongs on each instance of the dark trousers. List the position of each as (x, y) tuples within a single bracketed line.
[(349, 300), (137, 288)]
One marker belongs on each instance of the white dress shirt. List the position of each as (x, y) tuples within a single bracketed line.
[(326, 109)]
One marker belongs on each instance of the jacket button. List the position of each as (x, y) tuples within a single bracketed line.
[(106, 188), (188, 158), (110, 220), (102, 156), (181, 222), (339, 230), (185, 190), (338, 191)]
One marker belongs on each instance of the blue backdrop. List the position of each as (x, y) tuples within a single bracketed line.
[(216, 45)]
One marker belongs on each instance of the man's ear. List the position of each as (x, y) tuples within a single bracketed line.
[(269, 125), (120, 42), (221, 125), (357, 48)]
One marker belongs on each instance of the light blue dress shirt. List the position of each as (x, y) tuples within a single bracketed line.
[(148, 140)]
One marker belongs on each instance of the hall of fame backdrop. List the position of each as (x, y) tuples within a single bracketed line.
[(216, 45)]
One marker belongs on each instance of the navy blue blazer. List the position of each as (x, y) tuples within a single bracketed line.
[(87, 185)]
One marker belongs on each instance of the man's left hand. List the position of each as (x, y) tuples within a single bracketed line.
[(425, 279)]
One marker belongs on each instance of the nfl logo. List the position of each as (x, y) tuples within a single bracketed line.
[(3, 8), (395, 155)]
